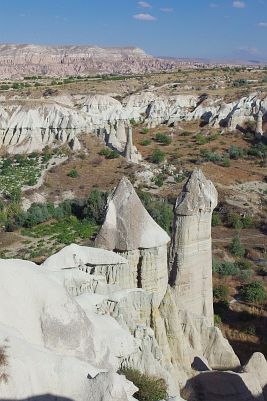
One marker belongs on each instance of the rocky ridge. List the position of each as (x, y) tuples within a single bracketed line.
[(102, 312), (30, 125), (17, 61)]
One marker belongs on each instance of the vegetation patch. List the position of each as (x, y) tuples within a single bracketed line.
[(150, 388)]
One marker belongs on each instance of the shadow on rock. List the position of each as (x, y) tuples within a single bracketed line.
[(223, 386), (43, 397)]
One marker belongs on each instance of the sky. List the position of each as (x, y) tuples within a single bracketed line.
[(218, 29)]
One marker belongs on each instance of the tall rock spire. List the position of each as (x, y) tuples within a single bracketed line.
[(190, 254)]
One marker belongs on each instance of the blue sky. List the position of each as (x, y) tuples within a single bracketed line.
[(179, 28)]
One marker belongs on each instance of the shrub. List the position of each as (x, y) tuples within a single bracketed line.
[(254, 292), (247, 221), (109, 154), (245, 264), (235, 152), (227, 269), (145, 131), (159, 209), (95, 207), (163, 138), (157, 156), (159, 180), (245, 275), (201, 139), (150, 388), (73, 173), (216, 219), (236, 248), (221, 292), (145, 142), (234, 220), (220, 308), (226, 161), (217, 320)]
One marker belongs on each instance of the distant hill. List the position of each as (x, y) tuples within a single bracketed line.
[(18, 60)]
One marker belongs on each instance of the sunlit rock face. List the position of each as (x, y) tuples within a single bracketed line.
[(130, 230), (191, 253), (93, 311)]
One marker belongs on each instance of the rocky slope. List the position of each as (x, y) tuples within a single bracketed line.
[(91, 311), (29, 125), (25, 60)]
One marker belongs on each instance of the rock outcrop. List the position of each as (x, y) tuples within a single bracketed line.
[(247, 384), (47, 331), (190, 253), (130, 230), (29, 125), (91, 311)]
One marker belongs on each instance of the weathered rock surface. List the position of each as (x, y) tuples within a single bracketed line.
[(29, 125), (86, 316), (47, 331), (190, 253), (229, 386), (130, 230), (24, 60)]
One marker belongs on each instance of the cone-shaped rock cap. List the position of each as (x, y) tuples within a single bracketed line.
[(198, 195), (128, 225)]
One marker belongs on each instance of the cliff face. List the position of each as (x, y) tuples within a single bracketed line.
[(22, 60), (30, 125)]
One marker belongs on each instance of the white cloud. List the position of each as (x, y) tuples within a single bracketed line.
[(214, 5), (239, 4), (144, 17), (166, 10), (262, 24), (144, 4)]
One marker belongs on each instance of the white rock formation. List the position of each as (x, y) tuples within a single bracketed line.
[(130, 230), (190, 253), (29, 125), (131, 153), (86, 316), (47, 331)]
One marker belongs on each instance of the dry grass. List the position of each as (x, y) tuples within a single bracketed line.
[(3, 364)]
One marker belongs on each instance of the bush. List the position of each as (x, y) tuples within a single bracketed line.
[(145, 131), (157, 156), (150, 388), (234, 220), (73, 173), (217, 320), (159, 209), (216, 219), (236, 248), (235, 152), (95, 207), (109, 154), (254, 292), (221, 292), (159, 180), (245, 275), (227, 269), (226, 161), (145, 142), (245, 264), (163, 138), (201, 139)]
